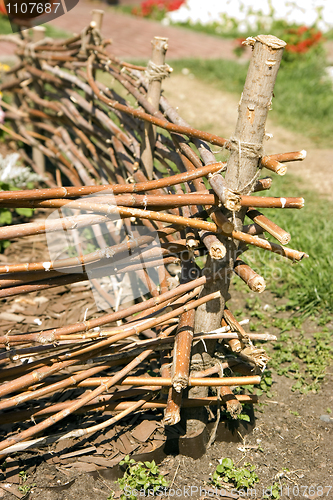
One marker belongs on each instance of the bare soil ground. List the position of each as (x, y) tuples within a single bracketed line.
[(285, 433)]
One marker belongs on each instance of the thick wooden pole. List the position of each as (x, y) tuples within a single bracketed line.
[(246, 151), (252, 113), (242, 165), (160, 46), (37, 155), (97, 18)]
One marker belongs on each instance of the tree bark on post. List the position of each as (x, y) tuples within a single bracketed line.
[(156, 70), (37, 155), (97, 19), (241, 176)]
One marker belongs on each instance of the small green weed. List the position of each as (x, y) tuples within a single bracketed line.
[(244, 416), (304, 359), (273, 491), (264, 386), (140, 476), (307, 284), (23, 475), (239, 477), (25, 488)]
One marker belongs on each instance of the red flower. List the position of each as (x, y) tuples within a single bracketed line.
[(301, 40), (3, 10), (148, 7)]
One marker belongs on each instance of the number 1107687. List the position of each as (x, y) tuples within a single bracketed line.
[(306, 491), (32, 8)]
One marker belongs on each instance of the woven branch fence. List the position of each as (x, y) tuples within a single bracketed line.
[(118, 159)]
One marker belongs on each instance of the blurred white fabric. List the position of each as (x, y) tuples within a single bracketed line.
[(247, 13)]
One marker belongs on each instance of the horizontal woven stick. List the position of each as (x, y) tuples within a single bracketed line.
[(40, 373), (271, 247), (10, 288), (254, 281), (270, 202), (273, 229), (64, 383), (61, 224), (178, 220), (276, 167), (42, 426), (129, 212), (106, 402), (72, 192), (124, 331), (117, 333), (157, 343), (294, 156), (166, 381), (164, 202), (107, 318), (95, 269), (103, 253), (262, 184), (189, 131)]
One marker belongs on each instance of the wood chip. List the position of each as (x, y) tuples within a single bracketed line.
[(58, 307), (102, 462), (144, 430), (91, 449), (16, 318), (15, 478), (13, 489), (128, 443), (31, 320)]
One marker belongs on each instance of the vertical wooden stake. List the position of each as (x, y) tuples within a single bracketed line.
[(240, 177), (97, 19), (252, 112), (38, 33), (160, 46), (243, 162), (37, 155)]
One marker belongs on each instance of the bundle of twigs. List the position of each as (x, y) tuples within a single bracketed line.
[(150, 189)]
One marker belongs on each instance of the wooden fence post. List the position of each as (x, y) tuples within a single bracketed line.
[(241, 175), (37, 156), (156, 72), (97, 18)]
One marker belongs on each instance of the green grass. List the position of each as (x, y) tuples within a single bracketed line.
[(303, 358), (306, 284), (303, 94), (51, 31)]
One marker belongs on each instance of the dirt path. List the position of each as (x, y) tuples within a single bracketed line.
[(216, 111)]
